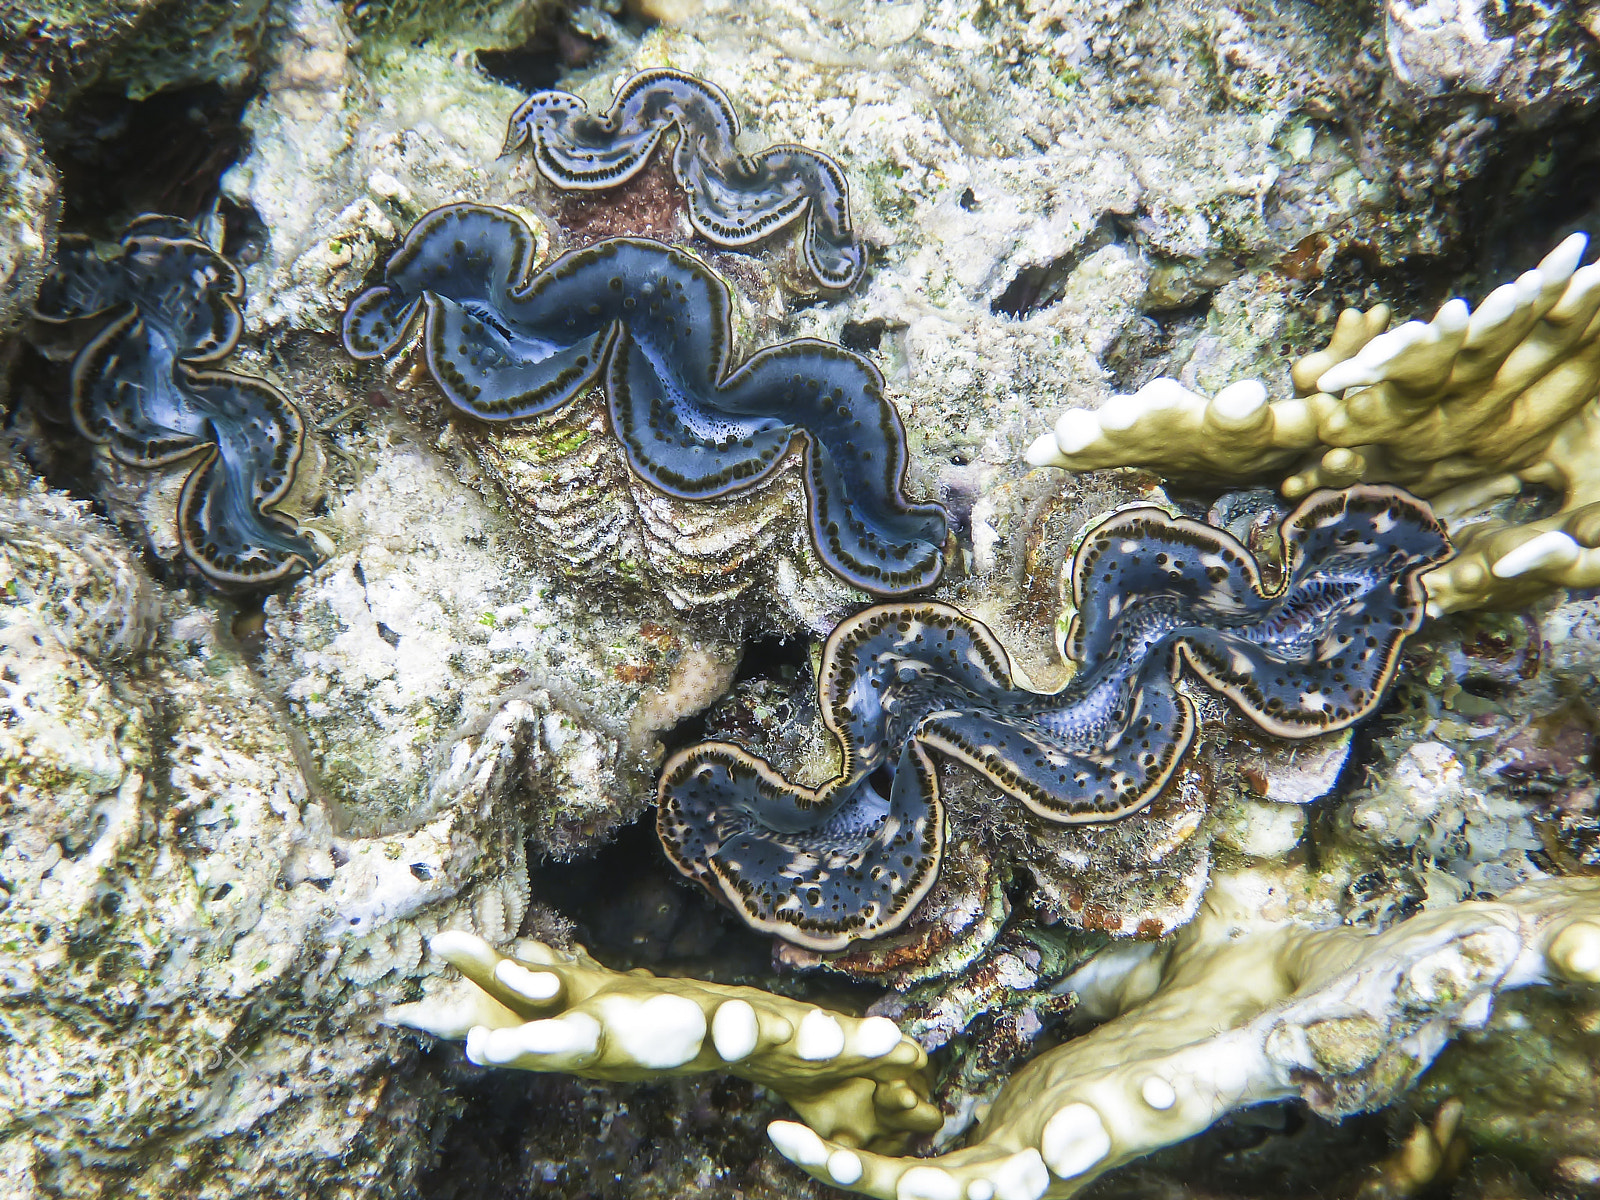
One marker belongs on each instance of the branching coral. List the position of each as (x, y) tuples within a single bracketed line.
[(1227, 1016), (162, 308), (1233, 1012), (652, 325), (1153, 594), (551, 1010), (734, 199), (1462, 410)]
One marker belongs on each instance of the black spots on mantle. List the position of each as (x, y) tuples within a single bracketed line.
[(1156, 595)]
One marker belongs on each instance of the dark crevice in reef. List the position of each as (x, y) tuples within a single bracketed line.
[(648, 915), (1538, 192), (244, 233), (1159, 342), (119, 157), (540, 63), (39, 423), (1040, 285), (1261, 1153), (864, 337), (775, 657), (780, 658), (512, 1135), (785, 660), (1536, 187)]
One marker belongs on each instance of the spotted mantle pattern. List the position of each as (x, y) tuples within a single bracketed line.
[(160, 312), (1156, 597), (651, 325), (734, 199)]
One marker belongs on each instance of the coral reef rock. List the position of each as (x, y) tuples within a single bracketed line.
[(428, 666), (174, 900), (238, 827)]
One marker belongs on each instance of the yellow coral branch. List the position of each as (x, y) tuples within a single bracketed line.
[(1231, 1012), (858, 1079), (1225, 1016)]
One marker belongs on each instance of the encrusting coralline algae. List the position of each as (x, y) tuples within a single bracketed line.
[(241, 835)]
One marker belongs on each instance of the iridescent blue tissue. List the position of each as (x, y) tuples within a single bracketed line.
[(1156, 597), (734, 199), (161, 311), (651, 324)]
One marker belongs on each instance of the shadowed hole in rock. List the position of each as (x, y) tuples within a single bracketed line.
[(533, 66), (539, 63), (649, 915), (785, 660), (120, 157), (511, 1135), (1158, 342), (864, 337), (249, 627), (1040, 285), (244, 234), (1260, 1153), (653, 917)]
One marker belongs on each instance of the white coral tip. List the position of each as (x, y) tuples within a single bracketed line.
[(1575, 951), (927, 1183), (1239, 401), (1452, 317), (1584, 281), (819, 1038), (441, 1018), (1530, 285), (574, 1035), (735, 1030), (1074, 1140), (477, 1040), (875, 1037), (1045, 452), (538, 986), (798, 1143), (1023, 1176), (1158, 1093), (663, 1032), (456, 946), (1552, 548), (844, 1167), (1121, 413), (1340, 376), (1367, 367), (1497, 308), (1076, 430), (1386, 347), (1561, 262)]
